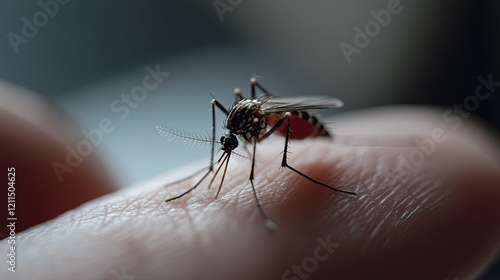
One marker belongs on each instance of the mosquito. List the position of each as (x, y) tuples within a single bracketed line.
[(252, 120)]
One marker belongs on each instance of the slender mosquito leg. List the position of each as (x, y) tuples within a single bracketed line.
[(191, 189), (276, 126), (213, 137), (284, 163), (254, 84), (188, 177), (216, 103), (268, 222), (238, 94), (211, 166)]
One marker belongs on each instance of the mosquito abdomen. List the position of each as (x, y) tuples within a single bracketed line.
[(302, 125)]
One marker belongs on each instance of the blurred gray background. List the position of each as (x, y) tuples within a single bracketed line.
[(84, 55)]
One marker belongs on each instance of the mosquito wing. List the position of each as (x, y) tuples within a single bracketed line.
[(299, 103)]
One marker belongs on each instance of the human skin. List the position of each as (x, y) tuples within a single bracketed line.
[(436, 220)]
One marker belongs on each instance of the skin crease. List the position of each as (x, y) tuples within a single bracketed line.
[(438, 220)]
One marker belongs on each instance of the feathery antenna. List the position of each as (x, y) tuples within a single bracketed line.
[(194, 139)]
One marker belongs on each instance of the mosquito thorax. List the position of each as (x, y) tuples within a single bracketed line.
[(246, 120), (229, 141)]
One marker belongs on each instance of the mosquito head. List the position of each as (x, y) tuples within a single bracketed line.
[(229, 141)]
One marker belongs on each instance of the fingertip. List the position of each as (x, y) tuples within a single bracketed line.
[(42, 145)]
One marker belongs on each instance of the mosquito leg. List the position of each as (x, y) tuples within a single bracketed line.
[(276, 125), (188, 177), (192, 188), (254, 84), (216, 103), (213, 136), (268, 222), (238, 94), (211, 166), (284, 163)]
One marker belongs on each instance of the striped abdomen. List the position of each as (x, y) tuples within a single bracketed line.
[(302, 125)]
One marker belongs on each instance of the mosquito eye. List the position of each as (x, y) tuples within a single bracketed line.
[(229, 141)]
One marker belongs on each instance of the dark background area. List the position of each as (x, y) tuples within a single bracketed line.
[(90, 41), (89, 53)]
